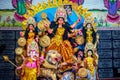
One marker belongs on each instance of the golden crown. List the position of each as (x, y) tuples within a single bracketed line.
[(60, 12)]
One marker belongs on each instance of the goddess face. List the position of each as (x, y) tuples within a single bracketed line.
[(60, 21), (31, 27), (89, 26)]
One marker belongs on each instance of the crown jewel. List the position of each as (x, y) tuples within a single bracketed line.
[(60, 12)]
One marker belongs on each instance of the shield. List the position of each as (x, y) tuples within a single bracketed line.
[(44, 41), (19, 51), (21, 41), (19, 59), (82, 72)]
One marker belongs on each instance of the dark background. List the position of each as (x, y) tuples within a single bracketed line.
[(108, 50)]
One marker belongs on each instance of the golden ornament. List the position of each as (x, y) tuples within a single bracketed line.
[(19, 51), (19, 59), (82, 72), (18, 72), (21, 41), (44, 41)]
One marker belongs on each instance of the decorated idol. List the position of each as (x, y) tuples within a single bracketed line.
[(58, 42)]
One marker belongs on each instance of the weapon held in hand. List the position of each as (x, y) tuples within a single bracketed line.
[(6, 58)]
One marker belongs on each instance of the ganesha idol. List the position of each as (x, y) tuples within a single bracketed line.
[(30, 67), (28, 53), (31, 61)]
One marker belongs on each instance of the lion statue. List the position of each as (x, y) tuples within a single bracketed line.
[(50, 64)]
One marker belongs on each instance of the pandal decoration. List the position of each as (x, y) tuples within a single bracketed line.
[(57, 3), (50, 70), (44, 41), (21, 41), (19, 51), (82, 72)]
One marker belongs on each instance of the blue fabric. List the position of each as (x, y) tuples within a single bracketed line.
[(50, 13), (37, 29), (81, 47), (112, 8)]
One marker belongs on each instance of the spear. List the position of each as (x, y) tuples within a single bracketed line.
[(6, 58)]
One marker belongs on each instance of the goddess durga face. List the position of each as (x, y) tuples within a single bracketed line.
[(60, 20)]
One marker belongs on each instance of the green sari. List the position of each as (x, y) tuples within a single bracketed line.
[(21, 8)]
